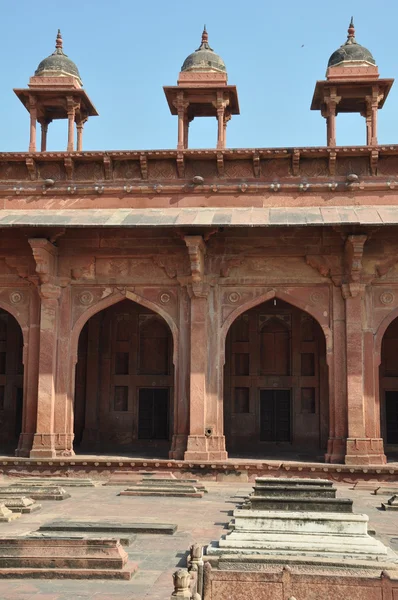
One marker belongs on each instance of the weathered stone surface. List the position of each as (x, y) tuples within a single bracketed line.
[(167, 491), (58, 556), (110, 527), (57, 481), (305, 491), (37, 492), (6, 515), (341, 505), (20, 504)]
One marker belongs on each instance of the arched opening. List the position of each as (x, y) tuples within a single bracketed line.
[(276, 383), (389, 387), (11, 382), (124, 382)]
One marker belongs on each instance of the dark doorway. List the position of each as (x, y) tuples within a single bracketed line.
[(392, 417), (275, 415), (153, 414), (11, 381)]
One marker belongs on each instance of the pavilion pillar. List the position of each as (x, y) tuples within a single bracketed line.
[(79, 128), (372, 107), (45, 255), (329, 111), (363, 447), (71, 121), (204, 442), (44, 129), (33, 123)]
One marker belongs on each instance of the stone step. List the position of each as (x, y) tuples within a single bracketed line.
[(110, 528), (165, 491), (293, 482), (313, 523), (360, 546), (340, 505), (125, 540), (36, 492), (61, 553), (173, 483), (20, 504), (59, 481), (309, 491), (124, 574)]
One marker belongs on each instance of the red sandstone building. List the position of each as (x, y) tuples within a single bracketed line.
[(201, 303)]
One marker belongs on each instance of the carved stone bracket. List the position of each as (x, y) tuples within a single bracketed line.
[(296, 162), (353, 254), (108, 167), (332, 162), (31, 166), (45, 255), (374, 160), (256, 165), (68, 164), (220, 163), (196, 251), (144, 166), (180, 165)]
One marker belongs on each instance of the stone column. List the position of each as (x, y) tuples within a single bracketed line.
[(30, 376), (182, 380), (45, 255), (44, 129), (329, 111), (220, 133), (372, 107), (203, 443), (182, 105), (79, 127), (337, 384), (33, 121), (71, 120), (362, 447)]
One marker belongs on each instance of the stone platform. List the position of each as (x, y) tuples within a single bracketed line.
[(62, 557), (37, 492)]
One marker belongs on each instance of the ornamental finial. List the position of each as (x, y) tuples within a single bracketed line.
[(58, 41), (351, 31)]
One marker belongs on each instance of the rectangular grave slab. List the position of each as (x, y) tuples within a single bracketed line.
[(20, 504), (67, 554), (304, 491), (110, 528), (58, 481), (340, 505), (158, 482), (36, 492), (164, 492), (125, 540), (293, 482)]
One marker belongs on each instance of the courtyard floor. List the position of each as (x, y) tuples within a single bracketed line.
[(199, 520)]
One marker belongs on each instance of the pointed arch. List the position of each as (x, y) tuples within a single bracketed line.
[(110, 301), (281, 295)]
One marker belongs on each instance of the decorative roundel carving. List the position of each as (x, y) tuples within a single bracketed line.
[(234, 297), (164, 298), (86, 298), (316, 297), (16, 297), (387, 298)]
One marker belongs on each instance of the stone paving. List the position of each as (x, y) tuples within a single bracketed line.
[(199, 520)]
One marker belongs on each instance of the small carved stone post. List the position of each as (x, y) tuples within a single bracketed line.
[(181, 581), (196, 564)]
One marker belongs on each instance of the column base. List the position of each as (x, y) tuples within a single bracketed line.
[(336, 450), (203, 448), (365, 451), (51, 445), (178, 446)]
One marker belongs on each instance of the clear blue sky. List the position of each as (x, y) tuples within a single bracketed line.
[(126, 50)]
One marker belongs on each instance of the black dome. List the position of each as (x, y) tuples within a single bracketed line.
[(351, 51), (204, 58), (58, 63)]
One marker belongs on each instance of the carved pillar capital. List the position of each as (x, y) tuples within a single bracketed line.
[(196, 252)]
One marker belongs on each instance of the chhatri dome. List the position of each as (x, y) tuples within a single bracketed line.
[(58, 64), (204, 58), (351, 53)]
